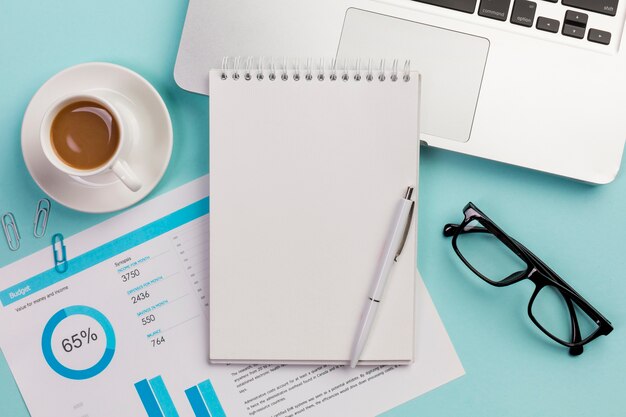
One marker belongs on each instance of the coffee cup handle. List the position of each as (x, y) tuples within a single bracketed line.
[(126, 175)]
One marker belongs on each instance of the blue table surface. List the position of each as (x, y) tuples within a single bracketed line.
[(512, 370)]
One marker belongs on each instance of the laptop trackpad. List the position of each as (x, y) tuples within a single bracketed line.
[(451, 64)]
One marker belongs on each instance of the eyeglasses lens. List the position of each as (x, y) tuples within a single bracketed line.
[(487, 254), (551, 311)]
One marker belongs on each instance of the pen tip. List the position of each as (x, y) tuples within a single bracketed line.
[(409, 193)]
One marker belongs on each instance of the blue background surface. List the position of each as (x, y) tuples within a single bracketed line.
[(512, 370)]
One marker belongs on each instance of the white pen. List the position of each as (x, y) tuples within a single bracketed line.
[(393, 248)]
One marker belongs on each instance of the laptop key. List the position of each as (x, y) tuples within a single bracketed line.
[(608, 7), (548, 25), (467, 6), (494, 9), (573, 31), (599, 36), (523, 12), (576, 18)]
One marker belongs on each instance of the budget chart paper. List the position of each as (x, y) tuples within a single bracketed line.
[(124, 332)]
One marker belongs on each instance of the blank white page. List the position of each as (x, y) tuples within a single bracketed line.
[(305, 180)]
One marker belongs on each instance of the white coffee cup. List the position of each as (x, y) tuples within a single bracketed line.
[(116, 163)]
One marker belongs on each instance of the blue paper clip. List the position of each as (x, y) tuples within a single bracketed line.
[(11, 233), (58, 250)]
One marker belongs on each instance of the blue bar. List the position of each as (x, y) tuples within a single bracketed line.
[(147, 398), (163, 397), (211, 400), (106, 251), (197, 404)]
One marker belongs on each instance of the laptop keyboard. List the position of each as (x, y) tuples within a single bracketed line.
[(608, 7), (523, 13), (467, 6)]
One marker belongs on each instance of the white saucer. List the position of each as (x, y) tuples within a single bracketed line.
[(151, 149)]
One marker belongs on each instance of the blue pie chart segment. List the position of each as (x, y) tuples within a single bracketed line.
[(82, 339)]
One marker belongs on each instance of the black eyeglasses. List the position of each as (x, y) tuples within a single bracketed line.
[(554, 307)]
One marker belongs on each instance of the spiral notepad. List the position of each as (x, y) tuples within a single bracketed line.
[(308, 159)]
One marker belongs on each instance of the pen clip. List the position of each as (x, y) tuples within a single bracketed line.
[(60, 256), (407, 226)]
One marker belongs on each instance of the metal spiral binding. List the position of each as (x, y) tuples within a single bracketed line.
[(407, 71), (236, 66), (259, 68), (308, 76), (381, 71), (394, 71), (345, 76), (333, 70), (296, 75), (259, 73), (247, 75), (272, 74), (224, 76), (284, 76), (321, 69)]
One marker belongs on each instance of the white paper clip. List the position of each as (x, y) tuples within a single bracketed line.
[(11, 232), (41, 217)]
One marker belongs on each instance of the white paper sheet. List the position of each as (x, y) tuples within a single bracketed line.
[(124, 332)]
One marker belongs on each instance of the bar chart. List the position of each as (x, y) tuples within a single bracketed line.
[(204, 401), (155, 398), (157, 401)]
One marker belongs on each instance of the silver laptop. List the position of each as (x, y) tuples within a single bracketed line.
[(539, 84)]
